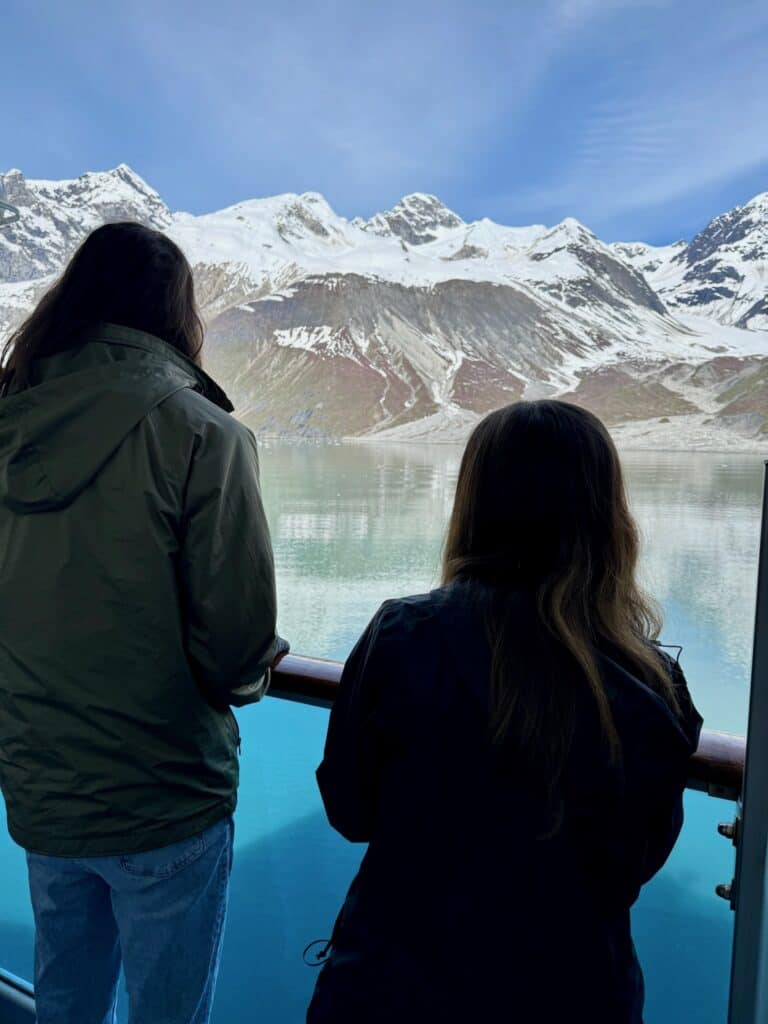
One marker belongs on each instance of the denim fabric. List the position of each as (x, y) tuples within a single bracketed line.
[(160, 913)]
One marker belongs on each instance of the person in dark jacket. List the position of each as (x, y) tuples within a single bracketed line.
[(138, 603), (513, 747)]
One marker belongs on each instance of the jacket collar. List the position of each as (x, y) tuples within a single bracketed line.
[(128, 337)]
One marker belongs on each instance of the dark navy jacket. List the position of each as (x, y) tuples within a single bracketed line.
[(461, 911)]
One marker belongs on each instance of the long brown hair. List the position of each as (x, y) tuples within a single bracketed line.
[(123, 273), (541, 510)]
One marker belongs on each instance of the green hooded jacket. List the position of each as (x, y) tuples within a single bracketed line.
[(137, 598)]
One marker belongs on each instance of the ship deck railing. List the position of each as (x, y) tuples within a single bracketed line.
[(717, 767)]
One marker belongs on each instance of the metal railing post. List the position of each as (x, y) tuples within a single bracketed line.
[(17, 1000), (749, 970)]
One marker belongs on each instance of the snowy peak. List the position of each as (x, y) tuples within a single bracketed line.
[(743, 230), (569, 235), (120, 191), (417, 219), (574, 266), (266, 242), (56, 216), (309, 215), (648, 258), (721, 273), (570, 230)]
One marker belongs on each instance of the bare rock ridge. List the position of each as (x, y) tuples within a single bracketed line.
[(413, 323), (721, 272), (415, 219)]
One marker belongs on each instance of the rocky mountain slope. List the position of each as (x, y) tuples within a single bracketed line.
[(413, 323), (721, 273)]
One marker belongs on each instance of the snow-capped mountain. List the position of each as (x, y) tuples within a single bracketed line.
[(722, 272), (416, 219), (57, 215), (414, 322)]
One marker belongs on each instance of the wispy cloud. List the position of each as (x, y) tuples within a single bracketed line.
[(685, 114), (371, 100), (576, 12), (363, 99)]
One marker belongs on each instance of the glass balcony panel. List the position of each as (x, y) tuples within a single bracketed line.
[(683, 932), (353, 525)]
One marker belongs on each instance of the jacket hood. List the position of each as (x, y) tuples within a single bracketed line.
[(55, 437)]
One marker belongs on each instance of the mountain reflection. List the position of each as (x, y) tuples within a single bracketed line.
[(355, 524)]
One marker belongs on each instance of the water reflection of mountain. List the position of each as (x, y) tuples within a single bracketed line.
[(355, 524), (700, 516)]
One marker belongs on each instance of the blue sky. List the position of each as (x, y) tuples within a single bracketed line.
[(642, 118)]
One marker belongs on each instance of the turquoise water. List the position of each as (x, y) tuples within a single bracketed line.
[(353, 525)]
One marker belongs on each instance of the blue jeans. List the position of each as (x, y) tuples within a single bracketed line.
[(161, 913)]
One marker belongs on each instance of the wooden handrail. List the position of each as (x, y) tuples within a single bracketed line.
[(717, 767), (308, 680)]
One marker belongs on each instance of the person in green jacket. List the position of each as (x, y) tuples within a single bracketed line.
[(137, 604)]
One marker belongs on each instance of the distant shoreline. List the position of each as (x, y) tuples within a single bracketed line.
[(756, 449)]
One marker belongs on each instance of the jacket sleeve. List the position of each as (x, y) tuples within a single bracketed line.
[(656, 769), (355, 746), (227, 571), (664, 801)]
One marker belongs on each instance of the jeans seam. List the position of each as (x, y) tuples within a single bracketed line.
[(213, 964)]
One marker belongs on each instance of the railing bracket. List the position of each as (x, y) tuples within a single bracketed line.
[(725, 892)]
